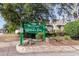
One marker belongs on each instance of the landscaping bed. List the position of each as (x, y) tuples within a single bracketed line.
[(51, 45), (57, 41), (52, 42), (65, 42)]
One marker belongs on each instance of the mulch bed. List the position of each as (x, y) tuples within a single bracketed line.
[(56, 43), (65, 42)]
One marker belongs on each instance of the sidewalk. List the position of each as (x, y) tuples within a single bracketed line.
[(11, 51), (8, 44), (42, 48)]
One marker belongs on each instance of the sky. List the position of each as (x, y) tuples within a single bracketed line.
[(2, 22)]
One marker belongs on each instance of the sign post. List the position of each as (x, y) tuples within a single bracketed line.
[(44, 36), (21, 34), (31, 27)]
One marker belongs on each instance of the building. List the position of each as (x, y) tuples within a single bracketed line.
[(58, 25), (2, 31)]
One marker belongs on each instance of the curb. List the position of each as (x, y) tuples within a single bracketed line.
[(43, 48)]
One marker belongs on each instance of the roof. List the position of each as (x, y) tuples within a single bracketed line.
[(60, 22)]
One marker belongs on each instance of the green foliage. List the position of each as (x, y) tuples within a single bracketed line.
[(72, 28), (61, 38), (58, 38), (13, 13), (10, 27), (66, 37), (39, 35)]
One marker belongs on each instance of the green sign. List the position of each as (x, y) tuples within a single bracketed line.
[(33, 27)]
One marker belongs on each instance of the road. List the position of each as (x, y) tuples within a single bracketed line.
[(11, 51)]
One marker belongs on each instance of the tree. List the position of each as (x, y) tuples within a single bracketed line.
[(10, 27), (14, 13)]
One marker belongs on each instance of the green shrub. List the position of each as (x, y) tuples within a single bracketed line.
[(58, 38), (61, 38), (72, 28), (39, 35), (66, 37)]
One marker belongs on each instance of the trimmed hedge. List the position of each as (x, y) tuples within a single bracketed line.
[(72, 28)]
